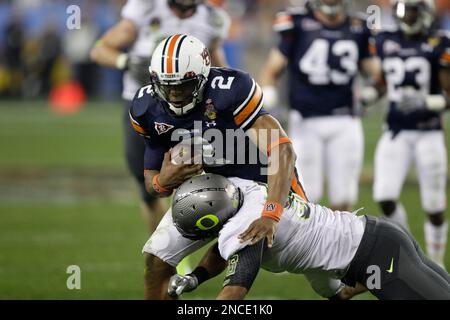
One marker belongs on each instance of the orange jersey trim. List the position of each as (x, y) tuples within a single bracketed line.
[(169, 59), (251, 106), (297, 187)]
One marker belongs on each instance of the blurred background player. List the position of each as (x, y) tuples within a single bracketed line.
[(322, 47), (129, 45), (415, 61)]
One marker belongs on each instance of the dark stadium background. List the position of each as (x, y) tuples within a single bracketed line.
[(65, 195)]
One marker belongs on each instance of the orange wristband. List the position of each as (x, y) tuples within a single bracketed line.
[(277, 143), (272, 210), (156, 186)]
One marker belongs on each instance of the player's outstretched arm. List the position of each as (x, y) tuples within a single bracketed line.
[(275, 65), (271, 139), (375, 84), (217, 54), (243, 267), (108, 49)]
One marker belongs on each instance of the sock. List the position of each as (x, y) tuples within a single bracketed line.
[(436, 241), (399, 216)]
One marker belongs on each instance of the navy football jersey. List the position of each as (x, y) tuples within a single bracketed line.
[(411, 69), (322, 61), (231, 103)]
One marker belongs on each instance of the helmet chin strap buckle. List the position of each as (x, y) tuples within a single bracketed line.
[(183, 110)]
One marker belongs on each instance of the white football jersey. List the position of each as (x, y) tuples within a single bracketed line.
[(155, 21), (310, 239)]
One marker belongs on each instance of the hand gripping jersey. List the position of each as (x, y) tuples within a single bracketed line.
[(310, 239), (322, 61), (231, 103), (155, 21), (411, 68)]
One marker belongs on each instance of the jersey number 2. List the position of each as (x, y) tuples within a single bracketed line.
[(315, 64)]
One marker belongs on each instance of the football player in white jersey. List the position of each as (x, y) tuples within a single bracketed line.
[(335, 250), (129, 45), (322, 47), (415, 69)]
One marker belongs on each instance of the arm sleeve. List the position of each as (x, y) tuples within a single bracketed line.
[(243, 266), (136, 10), (323, 285), (153, 156), (249, 102)]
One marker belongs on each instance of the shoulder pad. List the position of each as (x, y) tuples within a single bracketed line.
[(140, 111), (283, 21)]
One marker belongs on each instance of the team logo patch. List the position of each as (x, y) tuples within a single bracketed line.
[(162, 127), (210, 112), (270, 207), (232, 264), (434, 42)]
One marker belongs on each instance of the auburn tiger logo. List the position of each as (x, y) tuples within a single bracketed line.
[(206, 57)]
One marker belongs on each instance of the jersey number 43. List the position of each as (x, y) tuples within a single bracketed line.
[(315, 62)]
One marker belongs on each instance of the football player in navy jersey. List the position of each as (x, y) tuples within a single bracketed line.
[(223, 108), (415, 68), (322, 47), (128, 46)]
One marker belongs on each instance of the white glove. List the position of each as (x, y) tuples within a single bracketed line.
[(436, 102), (369, 95), (270, 97), (179, 284)]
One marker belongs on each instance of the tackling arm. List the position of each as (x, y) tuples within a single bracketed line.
[(271, 139), (242, 270)]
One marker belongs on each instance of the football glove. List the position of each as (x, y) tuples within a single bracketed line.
[(179, 284), (136, 65), (270, 97), (369, 95)]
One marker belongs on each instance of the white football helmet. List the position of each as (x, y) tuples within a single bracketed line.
[(414, 16), (179, 71)]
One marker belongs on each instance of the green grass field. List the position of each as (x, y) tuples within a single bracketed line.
[(66, 199)]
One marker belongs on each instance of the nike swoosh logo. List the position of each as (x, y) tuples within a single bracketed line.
[(391, 268)]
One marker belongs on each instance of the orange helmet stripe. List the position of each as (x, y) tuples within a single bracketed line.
[(169, 60)]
